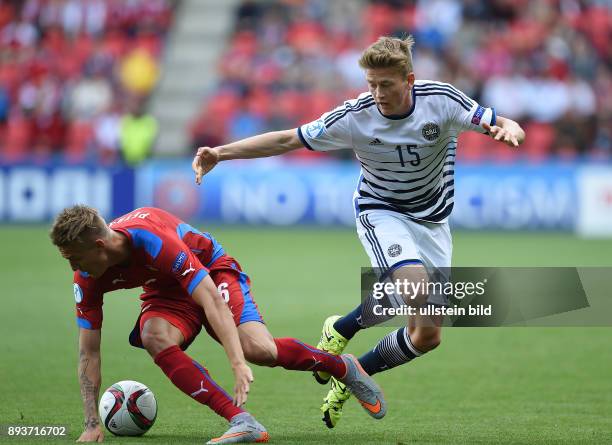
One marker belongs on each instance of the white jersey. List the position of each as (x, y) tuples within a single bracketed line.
[(407, 162)]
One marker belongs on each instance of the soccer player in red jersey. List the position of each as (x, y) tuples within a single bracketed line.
[(188, 282)]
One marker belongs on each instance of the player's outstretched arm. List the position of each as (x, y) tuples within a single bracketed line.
[(260, 146), (220, 319), (507, 131), (90, 378)]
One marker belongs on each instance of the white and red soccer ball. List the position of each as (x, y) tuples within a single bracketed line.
[(128, 408)]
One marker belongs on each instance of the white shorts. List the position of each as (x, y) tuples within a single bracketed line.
[(392, 240)]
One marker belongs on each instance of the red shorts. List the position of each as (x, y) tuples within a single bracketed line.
[(179, 309)]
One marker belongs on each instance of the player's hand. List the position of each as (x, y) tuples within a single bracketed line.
[(502, 134), (243, 377), (92, 434), (204, 161)]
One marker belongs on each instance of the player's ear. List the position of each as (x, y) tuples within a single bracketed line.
[(100, 243), (410, 78)]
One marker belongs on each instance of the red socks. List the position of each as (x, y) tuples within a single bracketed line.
[(193, 379), (295, 355)]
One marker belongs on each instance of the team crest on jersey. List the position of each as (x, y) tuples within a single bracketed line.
[(394, 250), (431, 131), (315, 129), (78, 293)]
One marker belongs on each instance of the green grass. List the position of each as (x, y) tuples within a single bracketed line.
[(483, 385)]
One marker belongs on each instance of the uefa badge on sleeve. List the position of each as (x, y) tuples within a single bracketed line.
[(476, 118), (315, 129), (78, 293)]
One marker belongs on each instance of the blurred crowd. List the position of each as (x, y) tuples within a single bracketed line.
[(546, 63), (75, 76)]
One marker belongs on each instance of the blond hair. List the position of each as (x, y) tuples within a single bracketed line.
[(389, 52), (79, 223)]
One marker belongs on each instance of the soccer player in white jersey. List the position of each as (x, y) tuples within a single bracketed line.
[(404, 134)]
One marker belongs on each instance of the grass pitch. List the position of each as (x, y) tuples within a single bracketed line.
[(483, 385)]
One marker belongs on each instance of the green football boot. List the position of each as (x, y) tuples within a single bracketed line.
[(332, 342), (333, 403)]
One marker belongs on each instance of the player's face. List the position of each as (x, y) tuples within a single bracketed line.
[(391, 90), (89, 257)]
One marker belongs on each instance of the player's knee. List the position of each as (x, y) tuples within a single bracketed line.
[(426, 341), (260, 351), (155, 341), (413, 279), (433, 342)]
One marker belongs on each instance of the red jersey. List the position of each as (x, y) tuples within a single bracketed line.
[(166, 254)]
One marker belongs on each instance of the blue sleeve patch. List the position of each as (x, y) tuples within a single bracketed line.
[(179, 261), (85, 324), (196, 280), (478, 115), (143, 238), (494, 118)]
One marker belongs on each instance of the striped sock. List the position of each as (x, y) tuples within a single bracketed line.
[(393, 350)]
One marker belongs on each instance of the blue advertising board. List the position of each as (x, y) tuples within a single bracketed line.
[(280, 192), (36, 193), (516, 197), (255, 192)]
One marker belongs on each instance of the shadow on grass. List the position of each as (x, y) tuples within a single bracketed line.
[(151, 438)]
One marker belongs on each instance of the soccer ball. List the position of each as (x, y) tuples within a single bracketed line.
[(128, 408)]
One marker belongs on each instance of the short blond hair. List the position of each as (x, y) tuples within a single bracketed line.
[(79, 223), (389, 52)]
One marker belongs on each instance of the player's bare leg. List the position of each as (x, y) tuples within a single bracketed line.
[(257, 344), (162, 340), (424, 331), (159, 334), (422, 336)]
